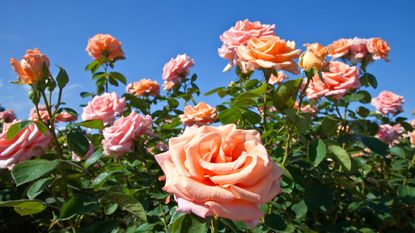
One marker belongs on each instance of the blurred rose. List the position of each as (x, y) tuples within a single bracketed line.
[(339, 48), (7, 116), (314, 57), (358, 50), (27, 143), (307, 108), (104, 45), (268, 52), (66, 117), (379, 48), (412, 137), (104, 107), (145, 87), (239, 35), (43, 112), (220, 171), (201, 114), (281, 76), (389, 134), (30, 68), (175, 69), (388, 102), (118, 139), (339, 79)]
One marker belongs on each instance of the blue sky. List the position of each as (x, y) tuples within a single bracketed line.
[(154, 31)]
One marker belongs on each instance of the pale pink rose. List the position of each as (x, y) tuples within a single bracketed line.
[(176, 69), (43, 112), (239, 35), (358, 50), (277, 79), (220, 171), (339, 79), (27, 143), (118, 139), (90, 151), (388, 102), (201, 114), (389, 134), (7, 116), (104, 107)]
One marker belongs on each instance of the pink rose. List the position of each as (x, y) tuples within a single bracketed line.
[(307, 108), (175, 69), (27, 143), (201, 114), (43, 112), (104, 107), (388, 102), (388, 134), (220, 171), (239, 35), (281, 76), (7, 116), (337, 81), (118, 138), (358, 50)]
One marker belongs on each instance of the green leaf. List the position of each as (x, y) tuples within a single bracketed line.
[(230, 115), (93, 158), (30, 170), (316, 152), (37, 187), (362, 111), (102, 226), (368, 79), (86, 94), (92, 124), (173, 102), (275, 221), (78, 205), (217, 90), (25, 207), (407, 194), (77, 142), (41, 126), (128, 203), (93, 66), (62, 78), (342, 156), (16, 128), (375, 145), (118, 76), (398, 151), (189, 223), (286, 94), (300, 209), (68, 110)]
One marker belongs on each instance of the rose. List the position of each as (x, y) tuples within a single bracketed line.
[(268, 52), (220, 171), (104, 107), (30, 68), (388, 102), (239, 35), (314, 57), (175, 69), (277, 79), (7, 116), (379, 48), (388, 134), (308, 108), (27, 143), (201, 114), (66, 117), (358, 50), (339, 48), (339, 79), (119, 137), (143, 87), (43, 112), (412, 137), (104, 46)]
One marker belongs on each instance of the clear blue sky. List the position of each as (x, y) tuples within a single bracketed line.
[(154, 31)]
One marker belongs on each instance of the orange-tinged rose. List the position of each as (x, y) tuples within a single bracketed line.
[(412, 137), (379, 48), (314, 57), (277, 79), (30, 68), (339, 48), (145, 87), (268, 52), (201, 114), (104, 45)]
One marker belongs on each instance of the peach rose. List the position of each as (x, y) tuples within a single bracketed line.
[(201, 114), (104, 107), (61, 117), (277, 79), (239, 35), (389, 134), (176, 69), (339, 48), (104, 46), (379, 48), (412, 137), (30, 68), (220, 171), (27, 143), (268, 52), (144, 87), (7, 116), (118, 139), (388, 102), (314, 57), (339, 79), (307, 108)]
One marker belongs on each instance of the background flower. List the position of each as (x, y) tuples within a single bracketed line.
[(201, 114), (104, 46), (175, 69), (29, 69), (388, 102), (104, 107), (143, 87)]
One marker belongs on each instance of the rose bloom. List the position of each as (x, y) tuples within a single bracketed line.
[(339, 48), (104, 107), (61, 117), (307, 108), (388, 102), (389, 134), (339, 79), (379, 48), (30, 68), (118, 139), (27, 143), (239, 35), (104, 46), (277, 79), (175, 69), (268, 52), (7, 116), (314, 57), (145, 87), (201, 114), (220, 171), (412, 137)]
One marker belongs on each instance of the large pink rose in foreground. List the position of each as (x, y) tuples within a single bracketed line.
[(104, 107), (175, 69), (220, 171), (27, 143), (388, 102), (201, 114), (389, 134), (118, 139), (337, 81), (239, 35)]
